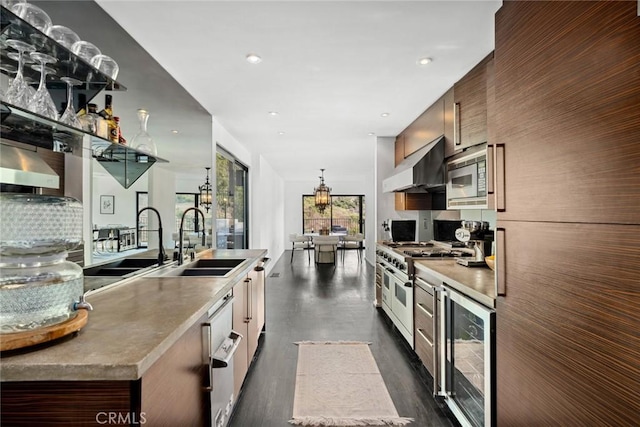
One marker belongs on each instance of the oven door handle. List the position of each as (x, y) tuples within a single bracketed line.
[(225, 352), (437, 342), (392, 273)]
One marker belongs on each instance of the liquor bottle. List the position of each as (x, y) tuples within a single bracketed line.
[(121, 139), (107, 115)]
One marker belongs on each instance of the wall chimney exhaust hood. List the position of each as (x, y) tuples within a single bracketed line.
[(423, 171), (23, 167)]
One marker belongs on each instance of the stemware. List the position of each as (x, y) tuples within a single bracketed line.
[(9, 69), (33, 15), (85, 50), (105, 64), (69, 116), (63, 35), (41, 102), (18, 92)]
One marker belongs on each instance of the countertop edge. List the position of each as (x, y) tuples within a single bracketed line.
[(480, 297), (16, 372)]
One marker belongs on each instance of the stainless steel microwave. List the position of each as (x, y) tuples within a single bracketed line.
[(467, 181)]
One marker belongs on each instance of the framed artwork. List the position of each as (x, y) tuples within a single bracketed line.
[(107, 205)]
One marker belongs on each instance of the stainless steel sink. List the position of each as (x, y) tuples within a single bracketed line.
[(216, 263), (216, 267), (120, 267), (217, 272)]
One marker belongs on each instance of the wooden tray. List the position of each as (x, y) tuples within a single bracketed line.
[(17, 340)]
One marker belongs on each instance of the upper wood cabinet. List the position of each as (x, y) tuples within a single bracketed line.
[(568, 122), (399, 149), (470, 107), (448, 101), (426, 128)]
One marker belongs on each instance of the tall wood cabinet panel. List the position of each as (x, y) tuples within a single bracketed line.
[(568, 111), (470, 94), (248, 321), (567, 127), (426, 128), (568, 347)]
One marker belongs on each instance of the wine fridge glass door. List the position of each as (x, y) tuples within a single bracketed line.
[(470, 360)]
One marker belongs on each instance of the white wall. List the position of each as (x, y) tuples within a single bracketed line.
[(124, 199), (266, 209), (266, 195), (162, 190), (294, 190)]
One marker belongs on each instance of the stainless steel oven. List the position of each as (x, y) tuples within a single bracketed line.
[(221, 344), (466, 361), (467, 181), (397, 292)]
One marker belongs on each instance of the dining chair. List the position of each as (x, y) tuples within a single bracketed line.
[(325, 249), (105, 235), (351, 242), (300, 242)]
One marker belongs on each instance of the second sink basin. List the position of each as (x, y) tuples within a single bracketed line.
[(205, 272), (216, 263)]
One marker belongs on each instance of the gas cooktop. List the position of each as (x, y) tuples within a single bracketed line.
[(435, 253), (430, 244)]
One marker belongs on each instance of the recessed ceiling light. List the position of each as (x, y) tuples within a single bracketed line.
[(273, 113), (281, 133), (424, 61), (253, 58), (384, 115), (371, 134), (174, 131)]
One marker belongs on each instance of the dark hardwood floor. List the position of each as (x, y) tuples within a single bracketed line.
[(319, 302)]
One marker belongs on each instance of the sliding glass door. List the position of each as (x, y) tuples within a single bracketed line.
[(232, 202), (345, 215)]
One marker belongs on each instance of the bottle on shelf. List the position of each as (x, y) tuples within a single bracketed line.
[(121, 139), (107, 115), (91, 120)]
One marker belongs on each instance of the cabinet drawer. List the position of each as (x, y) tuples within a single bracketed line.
[(424, 349), (423, 301)]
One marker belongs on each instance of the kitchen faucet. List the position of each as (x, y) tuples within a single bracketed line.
[(204, 241), (161, 253)]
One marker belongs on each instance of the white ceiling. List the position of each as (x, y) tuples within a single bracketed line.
[(330, 68)]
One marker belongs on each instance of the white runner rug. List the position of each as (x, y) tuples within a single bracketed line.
[(338, 384)]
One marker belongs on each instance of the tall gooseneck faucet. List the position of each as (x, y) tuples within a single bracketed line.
[(161, 254), (204, 240)]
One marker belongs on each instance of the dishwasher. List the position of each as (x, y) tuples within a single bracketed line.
[(221, 342)]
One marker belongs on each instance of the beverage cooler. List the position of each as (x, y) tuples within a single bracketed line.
[(466, 362)]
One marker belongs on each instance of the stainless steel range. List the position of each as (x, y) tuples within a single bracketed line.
[(397, 289), (394, 262)]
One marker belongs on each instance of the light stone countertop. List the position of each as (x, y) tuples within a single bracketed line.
[(475, 282), (131, 326)]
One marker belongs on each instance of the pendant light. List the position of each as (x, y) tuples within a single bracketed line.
[(322, 194), (205, 193)]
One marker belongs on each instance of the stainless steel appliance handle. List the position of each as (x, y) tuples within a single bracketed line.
[(227, 349), (436, 341), (209, 386), (424, 310), (456, 124), (392, 273)]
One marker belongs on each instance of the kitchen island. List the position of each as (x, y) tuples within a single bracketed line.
[(143, 336)]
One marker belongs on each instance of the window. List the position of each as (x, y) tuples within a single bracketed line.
[(232, 202), (344, 216), (142, 221)]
